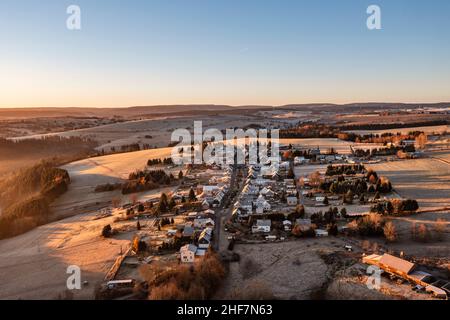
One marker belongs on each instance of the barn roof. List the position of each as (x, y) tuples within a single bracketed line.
[(397, 263)]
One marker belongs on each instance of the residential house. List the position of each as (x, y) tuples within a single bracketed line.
[(321, 233), (287, 225), (261, 226), (203, 223), (299, 161), (292, 201), (262, 204), (320, 199), (204, 240), (187, 253), (250, 189), (266, 192), (188, 231)]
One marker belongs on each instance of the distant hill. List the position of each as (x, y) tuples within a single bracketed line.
[(167, 110)]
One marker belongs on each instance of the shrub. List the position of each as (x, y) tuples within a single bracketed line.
[(163, 205), (390, 232), (332, 229), (107, 187), (192, 196), (187, 282), (298, 213), (107, 231), (440, 228), (370, 225), (422, 233)]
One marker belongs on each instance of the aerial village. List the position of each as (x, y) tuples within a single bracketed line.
[(310, 193)]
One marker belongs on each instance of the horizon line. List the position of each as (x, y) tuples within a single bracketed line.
[(231, 105)]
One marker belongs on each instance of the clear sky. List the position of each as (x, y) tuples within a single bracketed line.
[(146, 52)]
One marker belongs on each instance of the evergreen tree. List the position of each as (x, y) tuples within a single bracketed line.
[(172, 203), (163, 203), (192, 196)]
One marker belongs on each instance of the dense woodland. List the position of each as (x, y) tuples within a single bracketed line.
[(146, 180), (394, 125), (26, 195), (45, 147)]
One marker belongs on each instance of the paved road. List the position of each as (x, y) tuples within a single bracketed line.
[(221, 212)]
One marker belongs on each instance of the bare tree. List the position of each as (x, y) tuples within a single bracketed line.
[(440, 228), (390, 232), (115, 202), (421, 141)]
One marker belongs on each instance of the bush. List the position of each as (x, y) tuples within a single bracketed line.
[(107, 231), (332, 229), (107, 187), (395, 206), (192, 196), (188, 282), (390, 232), (422, 234), (146, 180), (370, 225), (440, 228)]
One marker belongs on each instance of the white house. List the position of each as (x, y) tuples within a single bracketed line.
[(406, 143), (209, 212), (292, 201), (300, 160), (321, 233), (245, 204), (209, 190), (187, 253), (320, 199), (267, 192), (204, 239), (262, 204), (203, 223), (171, 232), (261, 226), (250, 189), (287, 225), (256, 167), (284, 166)]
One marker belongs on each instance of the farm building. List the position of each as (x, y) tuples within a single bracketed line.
[(405, 270)]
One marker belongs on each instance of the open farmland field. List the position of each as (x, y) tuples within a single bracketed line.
[(427, 180), (89, 173), (34, 265), (293, 270), (304, 269), (428, 129), (155, 132)]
